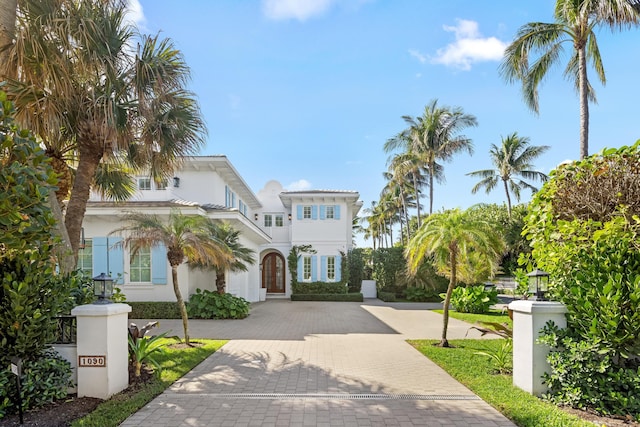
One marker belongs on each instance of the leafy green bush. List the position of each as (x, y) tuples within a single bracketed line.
[(386, 296), (585, 375), (421, 294), (44, 379), (212, 305), (355, 261), (389, 266), (351, 297), (472, 299), (319, 288), (154, 310)]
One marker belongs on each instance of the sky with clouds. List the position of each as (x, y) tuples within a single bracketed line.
[(307, 91)]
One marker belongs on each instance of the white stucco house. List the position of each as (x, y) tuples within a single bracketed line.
[(271, 223)]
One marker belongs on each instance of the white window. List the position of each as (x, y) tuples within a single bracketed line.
[(330, 212), (279, 220), (268, 220), (306, 268), (161, 185), (85, 258), (331, 268), (306, 212), (140, 266), (144, 183)]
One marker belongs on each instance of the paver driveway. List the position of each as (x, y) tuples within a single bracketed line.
[(320, 364)]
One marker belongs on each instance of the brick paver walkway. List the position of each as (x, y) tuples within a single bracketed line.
[(320, 364)]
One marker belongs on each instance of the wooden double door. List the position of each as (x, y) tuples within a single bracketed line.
[(273, 273)]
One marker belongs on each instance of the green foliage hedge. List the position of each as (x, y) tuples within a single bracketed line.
[(212, 305), (421, 294), (472, 299), (319, 288), (154, 310), (386, 296), (355, 262), (350, 297)]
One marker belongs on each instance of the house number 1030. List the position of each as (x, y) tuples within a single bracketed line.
[(92, 361)]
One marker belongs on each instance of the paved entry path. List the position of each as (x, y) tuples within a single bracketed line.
[(319, 364)]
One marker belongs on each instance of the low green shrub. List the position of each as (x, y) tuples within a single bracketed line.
[(584, 375), (319, 288), (473, 299), (154, 310), (352, 297), (421, 294), (212, 305), (386, 296), (43, 380)]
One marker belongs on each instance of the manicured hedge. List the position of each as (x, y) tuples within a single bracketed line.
[(387, 296), (353, 297), (154, 310), (319, 288)]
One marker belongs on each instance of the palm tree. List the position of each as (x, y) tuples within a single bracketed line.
[(77, 85), (452, 240), (435, 136), (542, 43), (512, 160), (240, 255), (191, 238)]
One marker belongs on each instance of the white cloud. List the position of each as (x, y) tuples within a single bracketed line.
[(419, 56), (470, 47), (300, 185), (135, 14), (295, 9)]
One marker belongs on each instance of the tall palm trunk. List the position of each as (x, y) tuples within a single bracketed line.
[(221, 283), (453, 250), (506, 190), (431, 166), (7, 27), (183, 308), (417, 190), (90, 154), (584, 101)]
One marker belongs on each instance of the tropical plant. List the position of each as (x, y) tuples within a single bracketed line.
[(143, 348), (78, 84), (240, 255), (538, 47), (213, 305), (434, 136), (502, 357), (513, 165), (186, 237), (473, 299), (448, 239)]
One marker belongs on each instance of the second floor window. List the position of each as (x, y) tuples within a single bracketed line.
[(279, 220), (268, 220), (306, 212), (330, 212), (140, 266)]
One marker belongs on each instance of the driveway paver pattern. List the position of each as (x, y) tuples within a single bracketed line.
[(320, 364)]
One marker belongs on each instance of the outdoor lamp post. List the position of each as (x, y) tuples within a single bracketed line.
[(103, 288), (538, 283)]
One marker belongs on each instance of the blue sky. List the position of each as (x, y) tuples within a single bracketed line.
[(307, 91)]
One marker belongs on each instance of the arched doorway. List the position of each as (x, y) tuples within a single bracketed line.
[(273, 273)]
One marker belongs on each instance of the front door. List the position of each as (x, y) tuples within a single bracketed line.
[(273, 273)]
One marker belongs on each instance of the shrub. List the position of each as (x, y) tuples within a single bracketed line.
[(389, 266), (44, 379), (386, 296), (355, 261), (154, 310), (350, 297), (421, 294), (212, 305), (319, 288), (472, 299)]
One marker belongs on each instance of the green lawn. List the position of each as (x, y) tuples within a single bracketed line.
[(494, 316), (175, 363), (476, 372)]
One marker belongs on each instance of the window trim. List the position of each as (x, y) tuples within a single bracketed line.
[(147, 252), (146, 181), (331, 268), (306, 209), (307, 269)]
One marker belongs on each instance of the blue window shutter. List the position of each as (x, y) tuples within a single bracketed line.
[(336, 211), (314, 268), (159, 265), (299, 209), (323, 268), (314, 212), (116, 259), (99, 256), (338, 265), (300, 269), (323, 212)]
